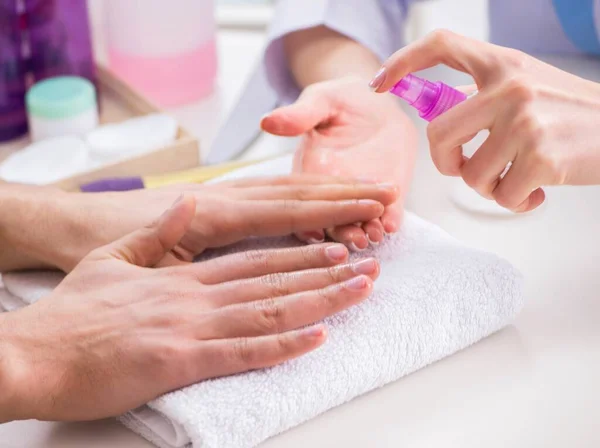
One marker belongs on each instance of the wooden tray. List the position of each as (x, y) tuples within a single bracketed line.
[(118, 102)]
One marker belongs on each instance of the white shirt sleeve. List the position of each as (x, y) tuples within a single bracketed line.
[(376, 24)]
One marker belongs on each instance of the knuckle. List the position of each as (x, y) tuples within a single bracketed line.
[(519, 91), (550, 164), (257, 258), (473, 179), (242, 351), (515, 59), (276, 284), (434, 134), (271, 315), (440, 38), (530, 129), (506, 199), (302, 193)]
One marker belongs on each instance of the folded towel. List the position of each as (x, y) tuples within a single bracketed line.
[(434, 297)]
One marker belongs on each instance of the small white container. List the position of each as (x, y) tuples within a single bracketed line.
[(62, 106)]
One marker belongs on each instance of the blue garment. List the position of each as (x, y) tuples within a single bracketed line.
[(577, 18)]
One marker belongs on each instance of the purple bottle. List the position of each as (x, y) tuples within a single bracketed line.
[(59, 39), (431, 99), (13, 73)]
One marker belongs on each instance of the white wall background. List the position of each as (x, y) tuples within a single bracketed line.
[(467, 17)]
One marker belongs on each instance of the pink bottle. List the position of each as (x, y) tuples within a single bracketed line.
[(431, 99), (166, 50)]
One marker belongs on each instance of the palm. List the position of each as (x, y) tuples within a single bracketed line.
[(348, 131)]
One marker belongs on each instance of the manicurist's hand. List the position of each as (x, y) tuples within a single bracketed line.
[(542, 120), (116, 334), (58, 229), (348, 131)]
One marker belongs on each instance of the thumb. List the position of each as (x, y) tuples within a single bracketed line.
[(147, 246), (304, 115)]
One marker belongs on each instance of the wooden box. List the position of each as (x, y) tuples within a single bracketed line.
[(118, 102)]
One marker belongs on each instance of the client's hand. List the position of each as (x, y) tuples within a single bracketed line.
[(115, 334), (348, 131), (542, 120), (225, 213)]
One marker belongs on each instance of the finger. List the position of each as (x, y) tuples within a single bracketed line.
[(451, 130), (277, 315), (241, 219), (483, 170), (467, 55), (385, 193), (352, 236), (392, 217), (374, 231), (292, 179), (147, 246), (312, 237), (256, 263), (518, 190), (284, 284), (304, 115), (222, 357)]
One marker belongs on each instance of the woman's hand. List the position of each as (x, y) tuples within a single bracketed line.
[(75, 224), (543, 121), (116, 334), (349, 132)]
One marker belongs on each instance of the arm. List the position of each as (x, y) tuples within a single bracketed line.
[(321, 54)]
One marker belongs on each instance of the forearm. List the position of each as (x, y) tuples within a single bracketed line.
[(321, 54), (36, 228)]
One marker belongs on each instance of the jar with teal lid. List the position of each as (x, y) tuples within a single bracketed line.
[(65, 105)]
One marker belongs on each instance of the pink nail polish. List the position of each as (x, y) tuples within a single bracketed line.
[(378, 80), (365, 267), (337, 252), (357, 283)]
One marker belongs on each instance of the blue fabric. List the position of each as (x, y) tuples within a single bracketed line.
[(577, 19)]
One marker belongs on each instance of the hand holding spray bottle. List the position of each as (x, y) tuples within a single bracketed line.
[(432, 99)]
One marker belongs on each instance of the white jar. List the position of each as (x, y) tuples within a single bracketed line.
[(61, 106)]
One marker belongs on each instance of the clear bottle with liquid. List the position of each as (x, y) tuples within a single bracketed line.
[(167, 50)]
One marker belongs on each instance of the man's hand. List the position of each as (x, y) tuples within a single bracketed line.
[(116, 334)]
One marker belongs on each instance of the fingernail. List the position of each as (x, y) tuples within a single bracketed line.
[(371, 242), (357, 224), (390, 227), (357, 283), (366, 267), (337, 252), (378, 79), (315, 237), (314, 332), (387, 186), (354, 248), (367, 202)]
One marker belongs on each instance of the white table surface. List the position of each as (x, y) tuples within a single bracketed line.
[(532, 384)]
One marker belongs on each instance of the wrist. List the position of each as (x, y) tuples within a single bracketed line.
[(38, 231), (12, 402)]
